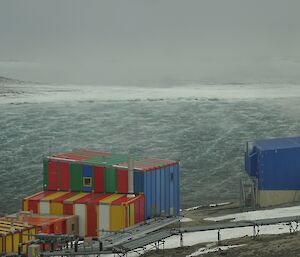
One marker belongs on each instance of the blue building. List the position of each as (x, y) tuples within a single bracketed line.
[(275, 165)]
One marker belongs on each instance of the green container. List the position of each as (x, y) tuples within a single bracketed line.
[(110, 180), (45, 174), (107, 160), (75, 177)]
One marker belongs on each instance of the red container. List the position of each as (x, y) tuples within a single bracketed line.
[(64, 197), (60, 227), (85, 199), (91, 220), (64, 176), (142, 209), (98, 179), (122, 180), (58, 175), (53, 175), (33, 203), (92, 215), (68, 209), (137, 210)]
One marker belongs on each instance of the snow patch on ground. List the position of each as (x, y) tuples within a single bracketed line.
[(206, 206), (205, 250), (184, 219), (194, 238), (261, 214)]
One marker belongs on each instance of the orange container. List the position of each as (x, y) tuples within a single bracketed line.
[(51, 224)]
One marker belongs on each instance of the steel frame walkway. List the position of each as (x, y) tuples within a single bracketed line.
[(159, 236), (150, 233)]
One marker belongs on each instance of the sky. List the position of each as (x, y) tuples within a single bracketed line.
[(151, 42)]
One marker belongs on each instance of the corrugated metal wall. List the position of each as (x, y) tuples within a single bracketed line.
[(161, 189), (275, 163), (94, 186), (109, 212)]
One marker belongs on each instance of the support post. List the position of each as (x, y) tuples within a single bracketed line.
[(19, 249), (241, 196), (130, 175), (219, 236), (181, 239), (76, 246)]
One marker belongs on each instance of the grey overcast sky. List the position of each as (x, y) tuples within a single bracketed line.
[(150, 41)]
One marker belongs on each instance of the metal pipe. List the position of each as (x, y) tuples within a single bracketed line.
[(130, 175)]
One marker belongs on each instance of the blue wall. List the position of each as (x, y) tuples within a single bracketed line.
[(279, 169), (275, 163), (88, 173), (160, 187)]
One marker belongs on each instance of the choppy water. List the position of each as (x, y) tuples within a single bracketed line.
[(207, 135)]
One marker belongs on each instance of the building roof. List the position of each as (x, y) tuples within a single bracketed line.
[(278, 143)]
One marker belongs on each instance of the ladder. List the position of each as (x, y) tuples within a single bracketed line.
[(248, 194)]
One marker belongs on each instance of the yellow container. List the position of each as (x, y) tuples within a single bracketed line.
[(121, 216), (111, 198), (116, 212), (56, 208), (75, 197), (47, 206), (132, 214), (25, 205), (117, 217), (12, 234), (53, 196)]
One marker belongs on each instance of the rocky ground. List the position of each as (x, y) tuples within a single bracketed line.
[(262, 246)]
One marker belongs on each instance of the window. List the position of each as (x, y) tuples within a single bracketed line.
[(87, 182)]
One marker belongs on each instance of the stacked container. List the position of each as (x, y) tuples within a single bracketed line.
[(275, 165), (96, 212), (84, 172), (108, 192), (103, 172)]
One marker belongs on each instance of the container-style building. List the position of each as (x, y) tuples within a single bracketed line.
[(49, 224), (158, 180), (95, 212), (13, 233), (106, 191), (84, 171), (275, 166), (104, 172)]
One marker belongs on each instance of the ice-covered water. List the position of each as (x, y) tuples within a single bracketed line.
[(205, 127)]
